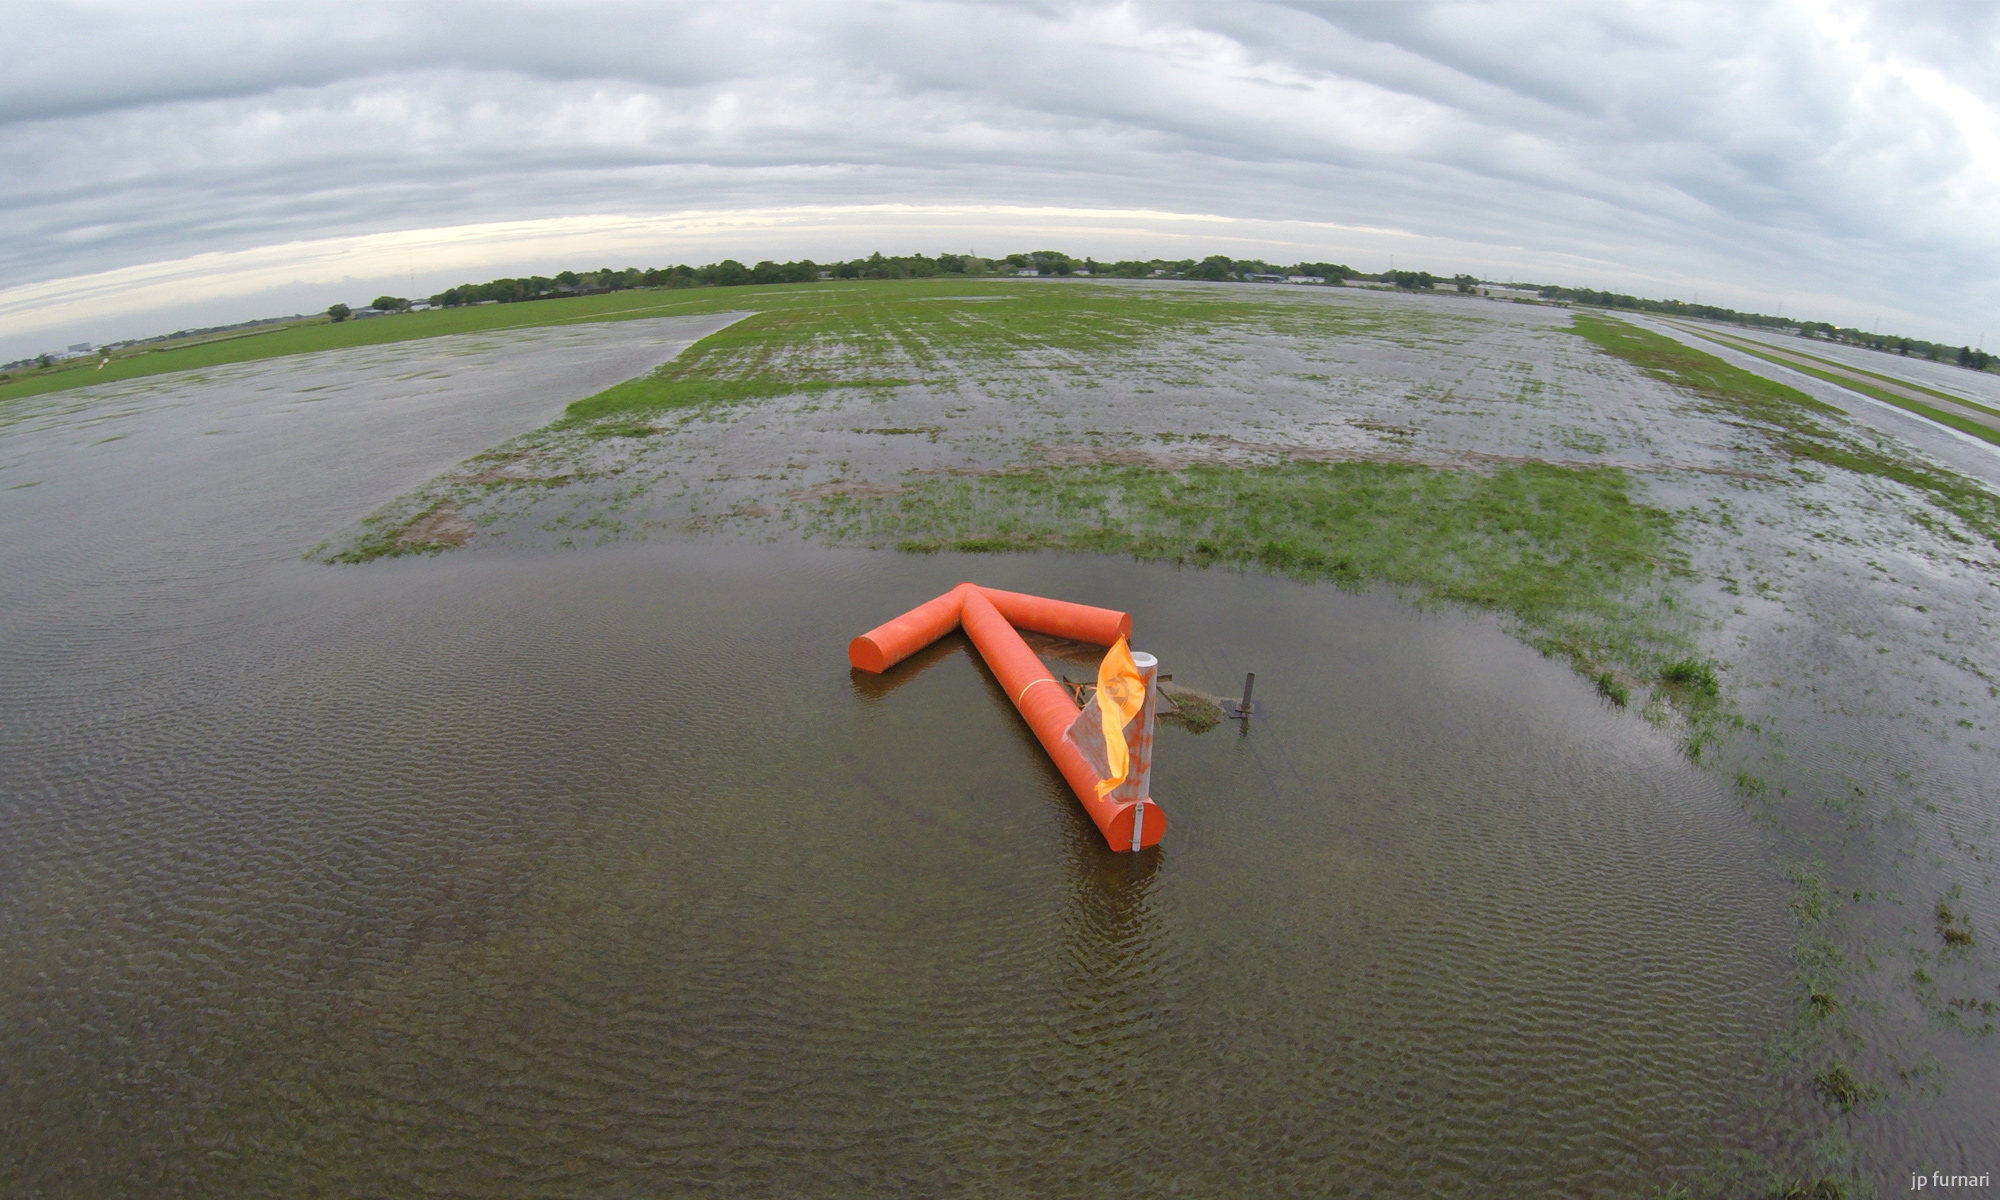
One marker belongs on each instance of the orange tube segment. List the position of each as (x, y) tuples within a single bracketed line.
[(893, 641), (1049, 712), (1060, 618)]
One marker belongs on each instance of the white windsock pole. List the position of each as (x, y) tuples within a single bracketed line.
[(1137, 788)]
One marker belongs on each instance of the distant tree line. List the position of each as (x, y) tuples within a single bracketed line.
[(1672, 308), (731, 273), (1215, 268)]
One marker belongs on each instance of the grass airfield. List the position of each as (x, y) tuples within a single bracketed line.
[(1805, 604)]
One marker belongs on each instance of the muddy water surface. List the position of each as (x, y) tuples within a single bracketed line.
[(598, 873), (572, 872)]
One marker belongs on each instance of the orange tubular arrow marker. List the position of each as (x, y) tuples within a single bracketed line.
[(991, 618)]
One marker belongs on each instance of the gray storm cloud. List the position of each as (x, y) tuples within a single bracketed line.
[(1836, 154)]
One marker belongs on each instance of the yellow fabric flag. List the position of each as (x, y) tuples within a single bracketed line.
[(1121, 693)]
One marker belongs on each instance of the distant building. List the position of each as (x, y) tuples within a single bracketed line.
[(1305, 279), (1027, 271), (1265, 278), (361, 313), (81, 348)]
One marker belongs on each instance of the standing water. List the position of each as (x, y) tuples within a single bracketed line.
[(598, 872)]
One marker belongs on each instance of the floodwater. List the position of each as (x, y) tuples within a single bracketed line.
[(597, 873)]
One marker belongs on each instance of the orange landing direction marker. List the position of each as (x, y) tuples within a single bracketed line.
[(1128, 817)]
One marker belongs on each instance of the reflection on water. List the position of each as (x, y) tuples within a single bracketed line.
[(599, 873)]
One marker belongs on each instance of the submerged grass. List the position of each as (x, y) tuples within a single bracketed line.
[(1796, 425), (814, 339), (1842, 1088), (911, 316), (1567, 552), (803, 340), (1196, 711), (394, 534)]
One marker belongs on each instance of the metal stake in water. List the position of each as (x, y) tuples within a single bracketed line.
[(1242, 710)]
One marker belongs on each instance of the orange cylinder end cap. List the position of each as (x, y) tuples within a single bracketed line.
[(863, 653)]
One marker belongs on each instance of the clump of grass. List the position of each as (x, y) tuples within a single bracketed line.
[(1950, 929), (1822, 1004), (1690, 673), (1826, 1187), (1810, 902), (1612, 690), (1197, 712), (1839, 1085), (1691, 680)]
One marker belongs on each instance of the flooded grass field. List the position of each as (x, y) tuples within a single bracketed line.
[(1619, 819)]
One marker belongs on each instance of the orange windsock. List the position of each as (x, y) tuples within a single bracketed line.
[(1121, 692)]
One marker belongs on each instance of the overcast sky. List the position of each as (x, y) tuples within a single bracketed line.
[(172, 162)]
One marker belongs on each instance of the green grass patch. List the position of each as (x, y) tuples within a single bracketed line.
[(1566, 552), (1691, 675), (888, 335), (1795, 424), (1197, 713)]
